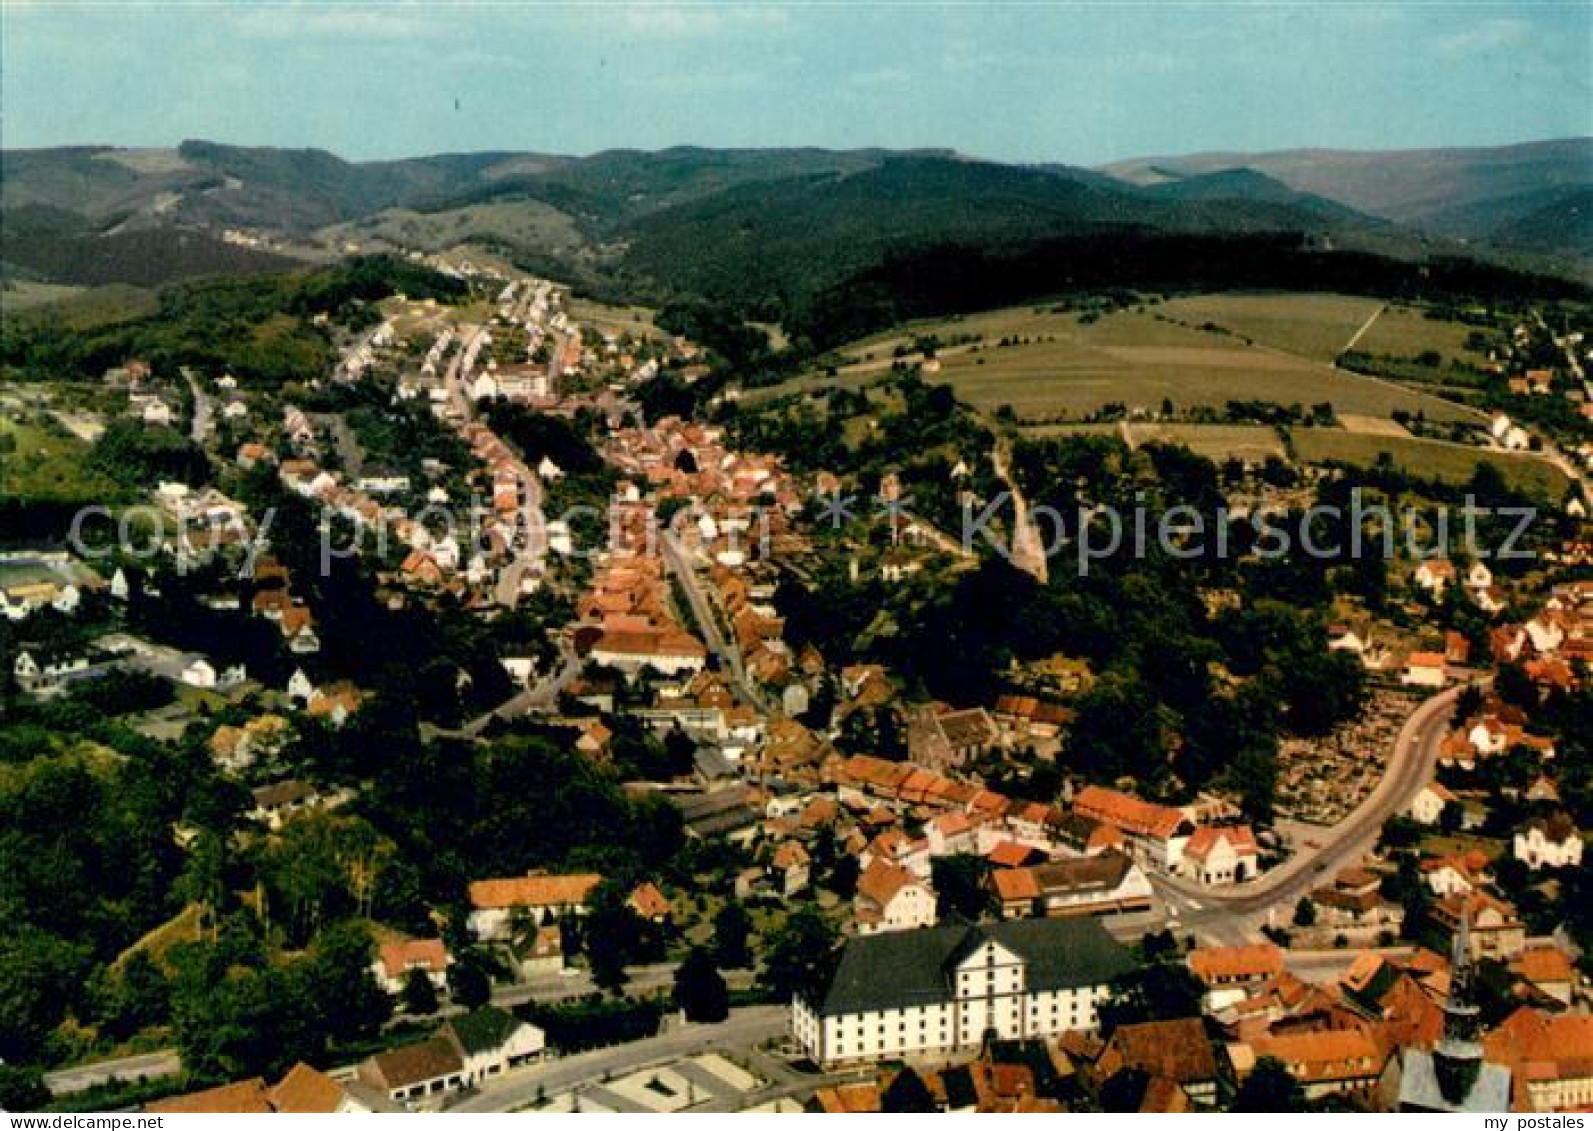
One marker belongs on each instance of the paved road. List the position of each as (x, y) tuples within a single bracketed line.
[(679, 563), (204, 409), (1028, 547), (519, 1088), (147, 1066), (1234, 913)]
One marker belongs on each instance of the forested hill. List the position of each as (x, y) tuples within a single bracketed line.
[(805, 236)]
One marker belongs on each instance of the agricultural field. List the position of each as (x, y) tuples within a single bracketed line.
[(1139, 360), (82, 308), (1431, 459), (1217, 442), (1405, 331), (1057, 365), (25, 294), (613, 319), (1317, 327)]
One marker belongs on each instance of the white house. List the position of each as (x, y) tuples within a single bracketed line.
[(933, 993), (539, 898), (890, 898), (1549, 842), (1456, 875), (1424, 669), (1509, 434), (1221, 855), (395, 961), (490, 1041), (1428, 805), (43, 677), (198, 672), (300, 686)]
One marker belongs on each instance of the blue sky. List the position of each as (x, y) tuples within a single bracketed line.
[(1079, 83)]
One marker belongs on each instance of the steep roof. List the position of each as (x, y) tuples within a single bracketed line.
[(397, 958), (306, 1091), (904, 968), (1129, 813), (482, 1030), (533, 891), (881, 881), (415, 1064), (245, 1097), (1177, 1050), (1229, 963)]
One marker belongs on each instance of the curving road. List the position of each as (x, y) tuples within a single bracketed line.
[(1233, 913)]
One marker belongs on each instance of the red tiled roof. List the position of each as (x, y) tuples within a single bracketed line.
[(533, 891)]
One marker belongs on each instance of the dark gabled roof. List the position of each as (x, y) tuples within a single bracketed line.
[(908, 968), (482, 1030), (418, 1063), (1064, 953)]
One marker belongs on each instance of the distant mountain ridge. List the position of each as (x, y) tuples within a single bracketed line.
[(1471, 194), (766, 226)]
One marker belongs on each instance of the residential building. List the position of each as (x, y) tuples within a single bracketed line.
[(1221, 855), (937, 991), (395, 961), (1325, 1062), (1157, 833), (538, 897), (1550, 1058), (1179, 1052), (1088, 885), (1230, 972), (1551, 841), (1428, 806), (890, 898)]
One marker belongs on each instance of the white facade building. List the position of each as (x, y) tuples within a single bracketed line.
[(938, 991)]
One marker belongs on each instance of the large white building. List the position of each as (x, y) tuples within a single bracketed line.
[(944, 990)]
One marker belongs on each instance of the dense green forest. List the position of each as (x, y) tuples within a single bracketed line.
[(263, 329)]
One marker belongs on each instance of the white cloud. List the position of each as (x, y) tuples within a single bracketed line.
[(1485, 38), (353, 23), (696, 21)]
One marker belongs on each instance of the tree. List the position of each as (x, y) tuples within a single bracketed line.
[(1161, 991), (959, 883), (907, 1094), (1117, 731), (1304, 913), (420, 996), (732, 932), (139, 997), (468, 983), (1270, 1087), (700, 989), (800, 958), (22, 1089), (338, 980)]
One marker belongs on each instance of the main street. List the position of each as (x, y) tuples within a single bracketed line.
[(1234, 914), (745, 1029), (681, 568)]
